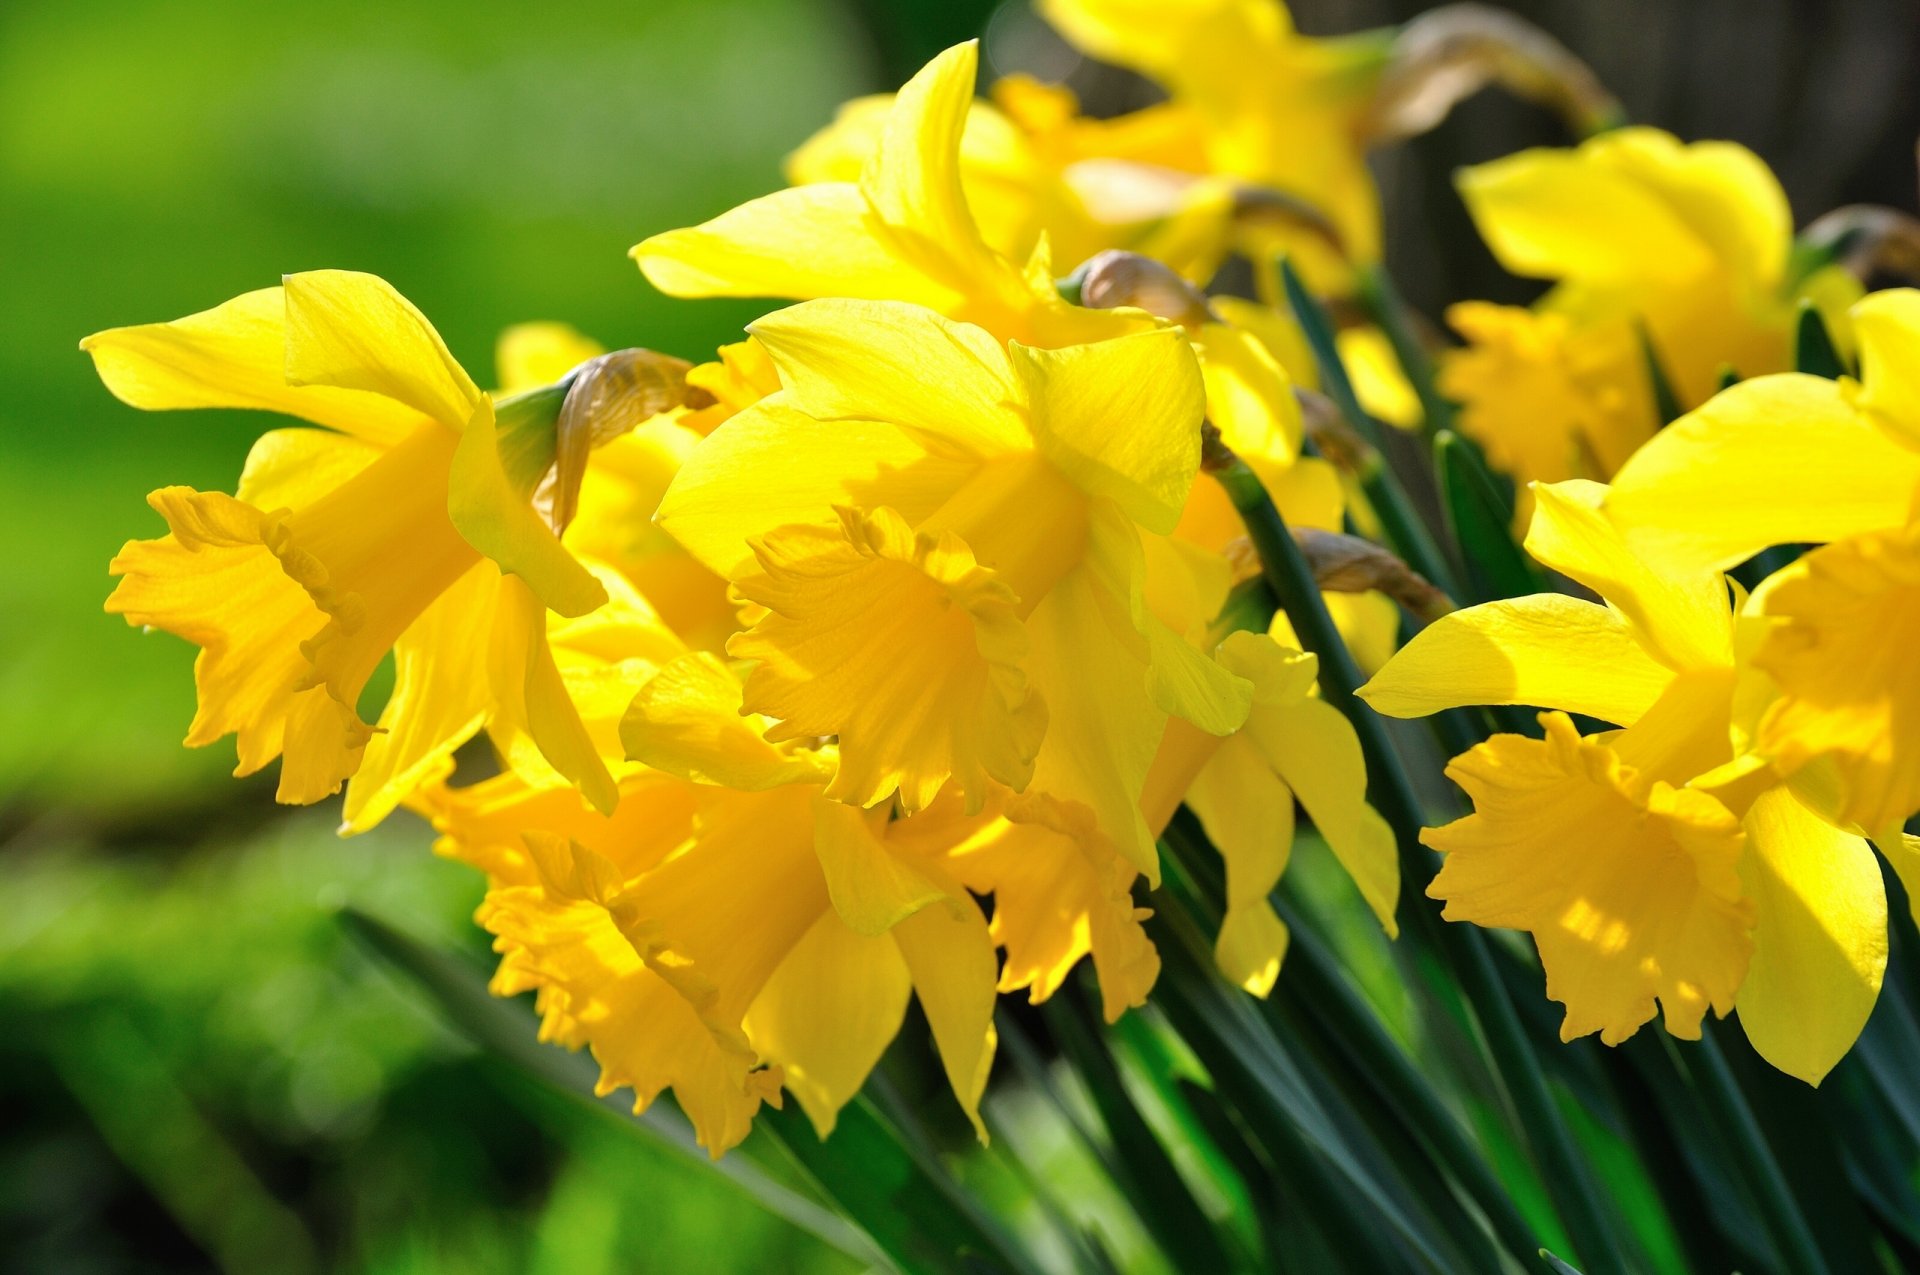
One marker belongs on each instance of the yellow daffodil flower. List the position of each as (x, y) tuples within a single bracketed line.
[(1264, 106), (904, 231), (947, 536), (389, 527), (1034, 169), (1242, 788), (1640, 233), (1649, 862), (728, 930), (1791, 459)]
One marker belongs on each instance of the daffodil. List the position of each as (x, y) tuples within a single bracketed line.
[(903, 232), (729, 930), (1794, 459), (1033, 168), (1658, 862), (946, 536), (1651, 243), (1243, 787), (408, 521), (1263, 106)]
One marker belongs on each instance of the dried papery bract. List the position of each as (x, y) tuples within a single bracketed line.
[(605, 398), (1868, 240), (1445, 56)]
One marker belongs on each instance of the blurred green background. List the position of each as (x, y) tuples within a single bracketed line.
[(197, 1070)]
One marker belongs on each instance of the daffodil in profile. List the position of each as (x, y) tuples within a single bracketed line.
[(1260, 104), (1243, 787), (1678, 252), (1659, 863), (1795, 459), (904, 231), (946, 536), (394, 520)]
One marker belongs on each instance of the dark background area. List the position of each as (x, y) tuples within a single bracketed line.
[(198, 1071)]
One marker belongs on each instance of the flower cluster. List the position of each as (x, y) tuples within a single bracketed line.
[(869, 659)]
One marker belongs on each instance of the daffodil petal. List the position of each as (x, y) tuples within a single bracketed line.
[(947, 385), (913, 180), (1121, 418), (950, 955), (354, 331), (234, 355), (872, 888), (1819, 937), (1546, 650), (828, 1014), (529, 355), (806, 241), (1684, 617), (499, 521), (1557, 214), (529, 695), (772, 466), (1315, 750), (1248, 813), (440, 698), (686, 720), (1887, 325), (1773, 460)]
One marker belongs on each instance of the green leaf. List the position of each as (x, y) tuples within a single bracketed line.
[(1666, 402), (1813, 349), (873, 1179), (1406, 533), (1390, 311), (1141, 1164), (1557, 1266), (1482, 523)]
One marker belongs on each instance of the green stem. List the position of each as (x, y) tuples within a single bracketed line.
[(1407, 533), (1463, 947)]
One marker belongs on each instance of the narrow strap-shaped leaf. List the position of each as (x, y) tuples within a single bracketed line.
[(1406, 533), (1813, 349), (1482, 523), (1557, 1266), (1146, 1172), (1752, 1158), (507, 1030), (1666, 403), (1390, 311)]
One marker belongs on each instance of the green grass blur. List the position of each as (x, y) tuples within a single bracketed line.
[(199, 1071)]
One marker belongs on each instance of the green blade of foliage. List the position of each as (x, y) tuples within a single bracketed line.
[(905, 1200), (1813, 349), (1146, 1172), (1254, 1077), (1462, 947), (1390, 311), (1406, 534), (507, 1030), (1666, 402), (1482, 523), (1752, 1158), (1367, 1054), (1557, 1266)]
